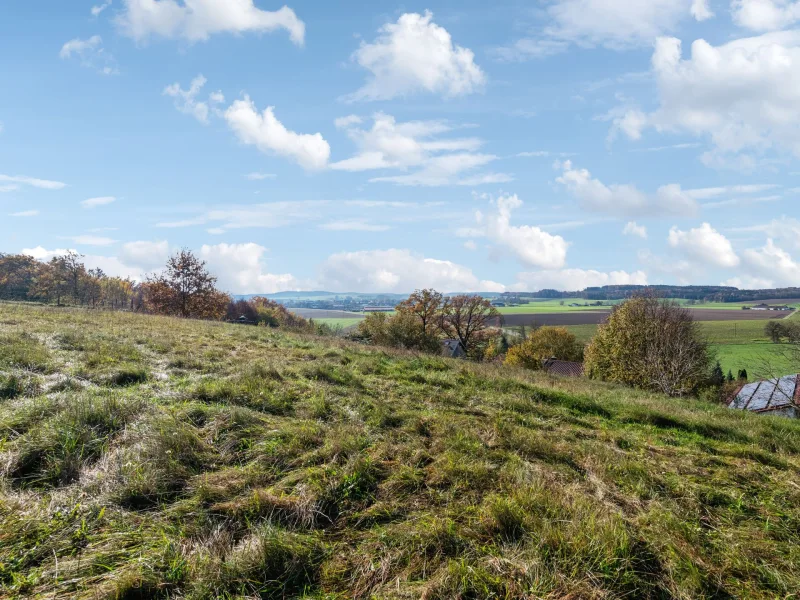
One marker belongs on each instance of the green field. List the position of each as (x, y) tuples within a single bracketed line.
[(551, 306), (343, 323), (150, 457), (738, 345)]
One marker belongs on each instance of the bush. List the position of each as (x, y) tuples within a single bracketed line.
[(544, 343), (650, 344)]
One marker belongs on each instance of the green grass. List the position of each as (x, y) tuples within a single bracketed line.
[(196, 460), (552, 306), (761, 360), (344, 323)]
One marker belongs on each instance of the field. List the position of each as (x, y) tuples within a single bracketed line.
[(147, 457), (598, 316)]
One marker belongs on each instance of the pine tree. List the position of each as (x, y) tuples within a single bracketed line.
[(717, 375), (730, 377), (743, 374)]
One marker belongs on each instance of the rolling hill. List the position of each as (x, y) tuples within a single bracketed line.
[(148, 457)]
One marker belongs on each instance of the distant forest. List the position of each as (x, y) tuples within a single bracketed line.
[(705, 293)]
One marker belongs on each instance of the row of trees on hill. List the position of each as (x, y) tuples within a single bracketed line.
[(184, 288), (64, 280), (426, 318)]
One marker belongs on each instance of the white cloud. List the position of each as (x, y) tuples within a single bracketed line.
[(714, 192), (186, 100), (616, 24), (260, 176), (398, 271), (413, 55), (531, 245), (416, 144), (240, 269), (109, 264), (636, 230), (765, 15), (704, 245), (25, 213), (742, 95), (91, 240), (470, 245), (269, 215), (99, 8), (748, 283), (91, 54), (772, 265), (785, 229), (146, 255), (197, 20), (353, 225), (576, 279), (15, 181), (100, 201), (701, 11), (624, 199), (269, 135)]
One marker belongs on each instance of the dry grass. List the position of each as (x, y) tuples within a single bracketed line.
[(144, 457)]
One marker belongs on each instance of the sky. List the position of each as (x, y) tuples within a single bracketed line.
[(372, 146)]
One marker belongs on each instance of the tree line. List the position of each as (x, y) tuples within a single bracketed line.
[(184, 288)]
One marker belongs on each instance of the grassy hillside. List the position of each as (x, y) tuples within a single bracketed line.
[(145, 457)]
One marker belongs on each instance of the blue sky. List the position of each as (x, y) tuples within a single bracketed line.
[(372, 146)]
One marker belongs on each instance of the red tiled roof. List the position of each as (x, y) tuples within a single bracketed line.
[(563, 368)]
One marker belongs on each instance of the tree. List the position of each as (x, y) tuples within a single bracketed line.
[(717, 378), (466, 317), (185, 289), (774, 331), (730, 378), (743, 375), (542, 344), (650, 344), (425, 305), (18, 274)]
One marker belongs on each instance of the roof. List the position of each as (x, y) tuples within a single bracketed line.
[(765, 396), (563, 368)]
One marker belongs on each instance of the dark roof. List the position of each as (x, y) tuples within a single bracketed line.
[(766, 396), (563, 368)]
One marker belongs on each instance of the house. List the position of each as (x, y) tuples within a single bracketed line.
[(772, 397), (563, 368), (760, 307), (498, 304), (453, 349)]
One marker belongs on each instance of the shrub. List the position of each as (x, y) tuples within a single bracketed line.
[(544, 343)]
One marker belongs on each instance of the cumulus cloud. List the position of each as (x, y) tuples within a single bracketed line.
[(741, 95), (531, 245), (416, 145), (701, 10), (186, 100), (416, 55), (197, 20), (398, 271), (765, 15), (625, 199), (91, 54), (264, 131), (705, 245), (9, 183), (240, 269), (772, 265), (110, 265), (147, 255), (576, 279), (99, 201), (786, 230), (635, 230)]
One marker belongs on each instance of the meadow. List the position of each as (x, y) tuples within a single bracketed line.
[(150, 457)]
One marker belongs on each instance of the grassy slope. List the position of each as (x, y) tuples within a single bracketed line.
[(146, 457)]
